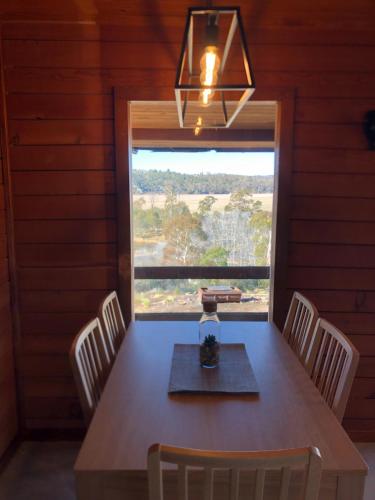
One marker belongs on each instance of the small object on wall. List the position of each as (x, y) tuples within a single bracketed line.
[(369, 128)]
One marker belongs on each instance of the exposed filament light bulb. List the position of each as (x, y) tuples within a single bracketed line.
[(209, 63), (198, 126)]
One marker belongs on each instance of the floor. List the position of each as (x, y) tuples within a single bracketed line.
[(44, 471), (40, 471)]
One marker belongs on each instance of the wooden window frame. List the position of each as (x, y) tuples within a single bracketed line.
[(285, 98)]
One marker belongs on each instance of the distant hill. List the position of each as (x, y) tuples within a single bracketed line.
[(155, 181)]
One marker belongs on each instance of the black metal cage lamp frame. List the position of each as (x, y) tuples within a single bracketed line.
[(186, 57)]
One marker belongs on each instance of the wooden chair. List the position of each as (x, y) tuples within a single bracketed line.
[(113, 323), (299, 325), (257, 461), (332, 362), (90, 363)]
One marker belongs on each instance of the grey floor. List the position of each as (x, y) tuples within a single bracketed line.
[(44, 471), (40, 471)]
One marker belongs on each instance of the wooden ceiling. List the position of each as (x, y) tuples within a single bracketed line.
[(155, 124), (255, 115)]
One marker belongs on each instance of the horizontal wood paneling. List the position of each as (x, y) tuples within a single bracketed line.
[(291, 14), (333, 232), (42, 344), (325, 278), (47, 388), (335, 256), (45, 365), (91, 81), (84, 54), (57, 323), (360, 430), (57, 255), (357, 322), (332, 111), (318, 135), (342, 300), (59, 82), (342, 161), (134, 28), (65, 207), (328, 208), (83, 80), (366, 368), (98, 278), (57, 183), (364, 343), (343, 185), (65, 231), (61, 301), (53, 408), (25, 132), (67, 157), (362, 398), (67, 107)]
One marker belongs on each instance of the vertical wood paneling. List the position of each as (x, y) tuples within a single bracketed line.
[(59, 80)]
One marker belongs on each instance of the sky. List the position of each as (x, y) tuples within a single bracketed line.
[(212, 162)]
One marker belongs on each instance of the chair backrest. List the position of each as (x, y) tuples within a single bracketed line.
[(332, 362), (113, 323), (90, 363), (299, 325), (257, 461)]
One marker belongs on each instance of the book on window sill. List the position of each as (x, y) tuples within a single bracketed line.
[(220, 293)]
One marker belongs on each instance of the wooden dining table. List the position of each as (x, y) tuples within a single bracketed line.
[(136, 411)]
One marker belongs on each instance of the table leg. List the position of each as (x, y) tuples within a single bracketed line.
[(350, 487)]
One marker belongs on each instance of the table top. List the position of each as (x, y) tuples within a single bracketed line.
[(136, 410)]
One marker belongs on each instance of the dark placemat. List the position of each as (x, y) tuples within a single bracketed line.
[(232, 375)]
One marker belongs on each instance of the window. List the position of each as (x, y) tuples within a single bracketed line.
[(201, 218)]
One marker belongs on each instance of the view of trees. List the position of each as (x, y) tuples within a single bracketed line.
[(174, 232), (175, 235), (153, 181)]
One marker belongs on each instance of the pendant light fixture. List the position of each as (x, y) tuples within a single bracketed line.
[(214, 76)]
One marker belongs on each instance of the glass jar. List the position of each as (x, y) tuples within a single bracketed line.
[(209, 336)]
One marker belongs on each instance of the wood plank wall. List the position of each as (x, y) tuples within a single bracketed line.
[(59, 80), (8, 405)]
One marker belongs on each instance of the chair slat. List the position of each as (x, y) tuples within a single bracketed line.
[(334, 361), (234, 484), (259, 484), (208, 483), (260, 462), (331, 370), (113, 323), (336, 377), (90, 362), (326, 363), (285, 481), (299, 326)]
